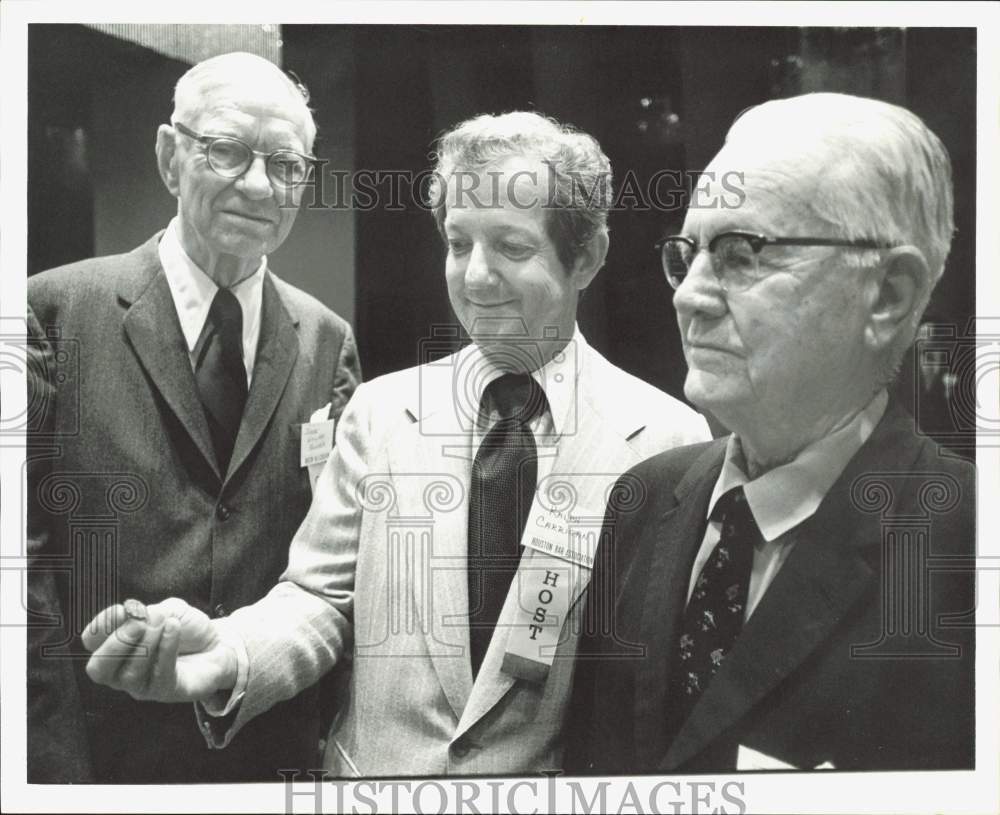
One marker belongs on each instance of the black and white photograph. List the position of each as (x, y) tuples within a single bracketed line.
[(466, 407)]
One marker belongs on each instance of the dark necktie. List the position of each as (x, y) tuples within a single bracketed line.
[(221, 376), (504, 476), (714, 615)]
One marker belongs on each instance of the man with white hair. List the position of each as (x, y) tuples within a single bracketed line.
[(453, 527), (780, 598), (172, 382)]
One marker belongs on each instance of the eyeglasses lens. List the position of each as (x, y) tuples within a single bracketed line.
[(228, 157), (287, 168), (736, 263), (677, 257)]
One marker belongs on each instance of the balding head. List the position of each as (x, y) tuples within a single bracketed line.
[(847, 203), (878, 172), (220, 80)]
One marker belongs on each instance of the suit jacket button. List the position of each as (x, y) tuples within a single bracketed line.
[(461, 747), (222, 512), (219, 610)]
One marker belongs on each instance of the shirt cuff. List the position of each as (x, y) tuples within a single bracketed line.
[(217, 714), (221, 705)]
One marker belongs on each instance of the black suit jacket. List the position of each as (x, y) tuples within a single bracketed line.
[(126, 500), (860, 653)]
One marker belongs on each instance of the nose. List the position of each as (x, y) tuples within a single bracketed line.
[(254, 183), (478, 272), (700, 293)]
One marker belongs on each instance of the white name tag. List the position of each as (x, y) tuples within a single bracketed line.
[(317, 442), (553, 533), (548, 583), (544, 585)]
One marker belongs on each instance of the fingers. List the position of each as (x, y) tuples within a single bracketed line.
[(102, 626), (171, 607), (163, 680), (109, 658), (135, 675)]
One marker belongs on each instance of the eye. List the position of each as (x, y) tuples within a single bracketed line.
[(458, 246), (516, 251), (735, 253), (227, 154), (288, 168)]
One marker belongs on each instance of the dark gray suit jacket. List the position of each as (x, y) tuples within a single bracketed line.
[(860, 653), (126, 500)]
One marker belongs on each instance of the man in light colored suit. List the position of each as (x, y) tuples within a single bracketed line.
[(798, 595), (455, 522), (165, 457)]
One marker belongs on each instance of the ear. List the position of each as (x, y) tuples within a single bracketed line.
[(167, 160), (899, 290), (590, 261)]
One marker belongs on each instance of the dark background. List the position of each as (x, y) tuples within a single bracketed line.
[(654, 97)]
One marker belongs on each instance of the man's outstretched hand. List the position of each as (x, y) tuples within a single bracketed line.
[(173, 655)]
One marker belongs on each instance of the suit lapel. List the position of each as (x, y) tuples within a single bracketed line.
[(674, 542), (437, 452), (811, 594), (277, 351), (825, 575), (590, 454), (593, 441), (154, 331)]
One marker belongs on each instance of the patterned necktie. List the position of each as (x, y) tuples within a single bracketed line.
[(504, 475), (714, 615), (220, 374)]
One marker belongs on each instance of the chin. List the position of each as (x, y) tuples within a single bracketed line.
[(511, 354), (712, 392), (242, 246)]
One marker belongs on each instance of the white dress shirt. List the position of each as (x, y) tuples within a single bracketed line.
[(561, 381), (193, 292), (784, 497)]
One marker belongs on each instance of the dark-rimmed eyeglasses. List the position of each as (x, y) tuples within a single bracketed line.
[(735, 255), (231, 157)]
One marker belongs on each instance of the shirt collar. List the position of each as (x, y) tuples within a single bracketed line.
[(559, 378), (786, 496), (193, 290)]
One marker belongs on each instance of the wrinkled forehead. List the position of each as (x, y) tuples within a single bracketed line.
[(759, 188), (516, 183), (250, 106)]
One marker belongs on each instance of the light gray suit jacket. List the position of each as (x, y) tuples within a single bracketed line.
[(381, 557)]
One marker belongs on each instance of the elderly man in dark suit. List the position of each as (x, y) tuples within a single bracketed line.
[(170, 386), (792, 596)]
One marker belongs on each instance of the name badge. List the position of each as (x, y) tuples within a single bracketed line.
[(316, 443), (553, 533), (548, 583)]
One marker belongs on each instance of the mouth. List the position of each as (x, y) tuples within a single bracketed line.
[(707, 348), (246, 216), (477, 304)]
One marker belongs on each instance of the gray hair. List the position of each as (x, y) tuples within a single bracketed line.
[(238, 69), (885, 177), (581, 173), (889, 179)]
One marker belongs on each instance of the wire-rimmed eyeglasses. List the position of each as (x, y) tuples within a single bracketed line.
[(231, 157), (735, 255)]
